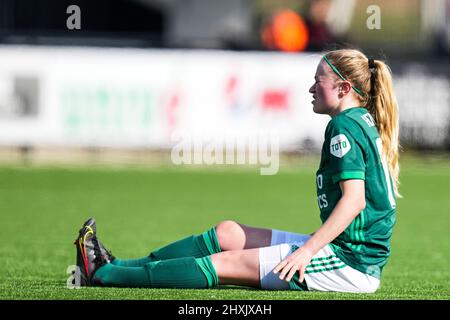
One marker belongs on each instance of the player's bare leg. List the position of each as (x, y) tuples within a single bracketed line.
[(237, 267), (236, 236), (225, 236)]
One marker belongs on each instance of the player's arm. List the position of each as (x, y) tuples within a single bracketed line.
[(348, 207)]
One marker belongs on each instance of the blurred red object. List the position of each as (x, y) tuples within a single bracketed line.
[(275, 99), (286, 31)]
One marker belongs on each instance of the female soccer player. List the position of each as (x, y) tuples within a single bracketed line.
[(356, 186)]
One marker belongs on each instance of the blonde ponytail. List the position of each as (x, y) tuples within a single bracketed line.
[(377, 97), (382, 105)]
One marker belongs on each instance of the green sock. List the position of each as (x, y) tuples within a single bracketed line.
[(115, 276), (187, 272), (197, 246), (132, 262)]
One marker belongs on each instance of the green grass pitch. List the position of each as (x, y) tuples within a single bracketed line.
[(138, 210)]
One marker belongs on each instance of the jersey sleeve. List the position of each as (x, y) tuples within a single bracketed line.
[(347, 145)]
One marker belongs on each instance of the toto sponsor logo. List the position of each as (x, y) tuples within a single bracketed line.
[(339, 146)]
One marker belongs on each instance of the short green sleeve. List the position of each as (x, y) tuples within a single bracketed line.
[(347, 144)]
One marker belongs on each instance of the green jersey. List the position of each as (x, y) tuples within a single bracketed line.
[(352, 150)]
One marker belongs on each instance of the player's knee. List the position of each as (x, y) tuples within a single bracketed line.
[(230, 235)]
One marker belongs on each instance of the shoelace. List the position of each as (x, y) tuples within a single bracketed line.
[(99, 260), (108, 253)]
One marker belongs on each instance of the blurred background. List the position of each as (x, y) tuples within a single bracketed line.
[(129, 76)]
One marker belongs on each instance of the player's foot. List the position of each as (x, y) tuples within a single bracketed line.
[(107, 254), (89, 253)]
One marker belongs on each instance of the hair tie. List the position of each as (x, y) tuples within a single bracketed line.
[(372, 64)]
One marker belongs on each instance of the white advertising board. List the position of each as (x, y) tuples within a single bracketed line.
[(136, 98)]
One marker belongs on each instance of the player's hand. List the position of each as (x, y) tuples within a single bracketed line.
[(297, 261)]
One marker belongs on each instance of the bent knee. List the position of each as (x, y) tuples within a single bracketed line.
[(230, 235)]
